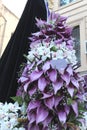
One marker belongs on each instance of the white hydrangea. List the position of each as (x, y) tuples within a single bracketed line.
[(44, 50), (84, 123), (9, 116)]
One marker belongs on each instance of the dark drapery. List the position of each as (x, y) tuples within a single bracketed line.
[(18, 45)]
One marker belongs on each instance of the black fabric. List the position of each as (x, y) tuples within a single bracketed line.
[(18, 45)]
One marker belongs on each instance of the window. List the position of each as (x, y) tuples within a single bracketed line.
[(64, 2), (76, 36)]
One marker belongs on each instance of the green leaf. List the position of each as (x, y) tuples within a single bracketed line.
[(17, 99), (69, 101), (54, 49)]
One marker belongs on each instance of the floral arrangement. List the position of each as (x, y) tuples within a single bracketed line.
[(52, 91), (49, 85)]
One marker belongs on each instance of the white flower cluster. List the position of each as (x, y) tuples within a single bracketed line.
[(9, 116), (50, 50), (84, 123)]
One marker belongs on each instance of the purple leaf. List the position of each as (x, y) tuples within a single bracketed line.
[(32, 90), (33, 127), (57, 100), (67, 109), (31, 117), (47, 120), (42, 114), (66, 77), (46, 66), (23, 79), (40, 22), (49, 102), (26, 86), (45, 128), (62, 116), (75, 107), (53, 75), (47, 95), (69, 70), (59, 41), (75, 82), (35, 75), (33, 105), (70, 42), (63, 18), (57, 85), (70, 90), (42, 83)]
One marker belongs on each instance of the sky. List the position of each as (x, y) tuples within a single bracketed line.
[(16, 6)]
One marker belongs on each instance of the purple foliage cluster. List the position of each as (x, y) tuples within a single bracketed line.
[(55, 28), (53, 87), (54, 95)]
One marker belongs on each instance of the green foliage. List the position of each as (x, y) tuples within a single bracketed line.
[(17, 99)]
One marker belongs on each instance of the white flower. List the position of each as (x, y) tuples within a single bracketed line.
[(84, 123), (85, 96), (44, 50), (9, 116)]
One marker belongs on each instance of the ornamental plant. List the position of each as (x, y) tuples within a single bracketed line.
[(49, 85)]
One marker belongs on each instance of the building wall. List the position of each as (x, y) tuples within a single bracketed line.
[(76, 12), (8, 23)]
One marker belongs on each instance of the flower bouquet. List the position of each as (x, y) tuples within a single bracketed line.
[(49, 86)]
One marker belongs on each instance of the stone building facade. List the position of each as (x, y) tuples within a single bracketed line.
[(8, 23), (76, 11)]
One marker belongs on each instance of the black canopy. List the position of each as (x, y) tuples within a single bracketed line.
[(18, 45)]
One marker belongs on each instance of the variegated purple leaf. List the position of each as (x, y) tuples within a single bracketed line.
[(75, 82), (68, 31), (33, 127), (52, 75), (66, 77), (70, 89), (70, 43), (67, 109), (42, 114), (42, 83), (28, 67), (26, 85), (46, 66), (46, 128), (63, 18), (49, 102), (35, 75), (40, 23), (70, 70), (75, 107), (31, 117), (32, 90), (33, 105), (23, 79), (62, 116), (58, 41), (57, 85), (47, 121), (57, 100), (47, 95)]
